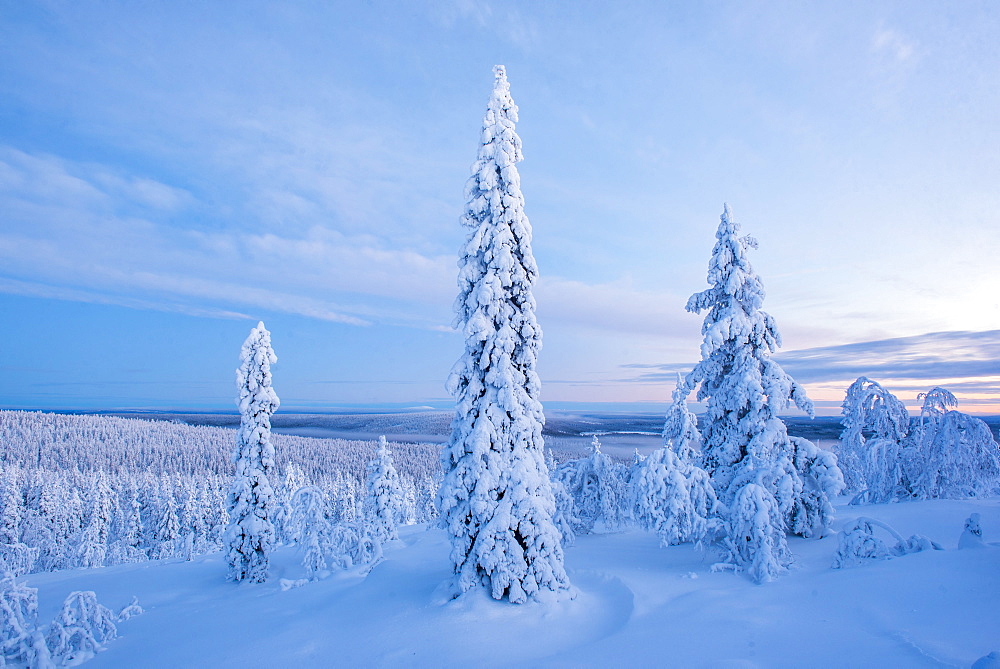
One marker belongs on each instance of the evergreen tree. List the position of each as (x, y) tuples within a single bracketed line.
[(168, 529), (671, 495), (956, 458), (10, 513), (870, 449), (495, 500), (250, 534), (309, 527), (747, 451), (383, 507), (598, 488)]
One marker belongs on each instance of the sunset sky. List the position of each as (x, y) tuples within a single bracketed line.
[(173, 172)]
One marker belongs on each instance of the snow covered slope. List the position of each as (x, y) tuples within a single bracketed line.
[(637, 605)]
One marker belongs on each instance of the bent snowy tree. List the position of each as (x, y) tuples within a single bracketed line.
[(250, 534), (495, 500)]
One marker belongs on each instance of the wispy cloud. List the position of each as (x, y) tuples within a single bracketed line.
[(893, 44), (970, 360), (80, 230)]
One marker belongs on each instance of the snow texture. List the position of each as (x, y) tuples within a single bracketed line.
[(250, 534), (495, 500)]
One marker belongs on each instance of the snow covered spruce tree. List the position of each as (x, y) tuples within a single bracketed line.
[(250, 533), (383, 506), (495, 500), (598, 487), (747, 451), (671, 495)]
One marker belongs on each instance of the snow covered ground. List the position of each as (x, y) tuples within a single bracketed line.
[(637, 604)]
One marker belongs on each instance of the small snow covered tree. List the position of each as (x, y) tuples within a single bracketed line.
[(21, 642), (250, 534), (671, 495), (870, 450), (956, 458), (972, 533), (747, 451), (81, 629), (495, 500), (597, 485), (859, 544), (309, 525), (383, 507), (168, 529), (10, 512), (822, 480), (756, 534)]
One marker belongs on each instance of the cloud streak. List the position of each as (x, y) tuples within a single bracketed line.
[(966, 360)]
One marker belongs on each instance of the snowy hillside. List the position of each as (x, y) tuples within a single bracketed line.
[(636, 605)]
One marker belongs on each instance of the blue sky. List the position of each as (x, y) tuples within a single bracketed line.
[(170, 173)]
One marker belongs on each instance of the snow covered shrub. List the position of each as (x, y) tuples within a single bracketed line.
[(250, 534), (822, 479), (755, 534), (80, 629), (597, 485), (129, 610), (352, 545), (21, 642), (858, 544), (870, 449), (956, 458), (383, 507), (662, 500), (495, 500), (972, 533)]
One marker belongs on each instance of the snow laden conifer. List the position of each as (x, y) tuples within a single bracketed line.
[(870, 450), (250, 533), (671, 495), (495, 500), (598, 487), (952, 455), (383, 506), (747, 451)]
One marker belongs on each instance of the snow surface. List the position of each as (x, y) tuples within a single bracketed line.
[(637, 604)]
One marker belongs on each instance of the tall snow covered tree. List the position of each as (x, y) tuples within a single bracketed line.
[(495, 500), (745, 442), (250, 533)]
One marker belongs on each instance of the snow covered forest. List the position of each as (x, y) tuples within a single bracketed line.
[(85, 491)]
